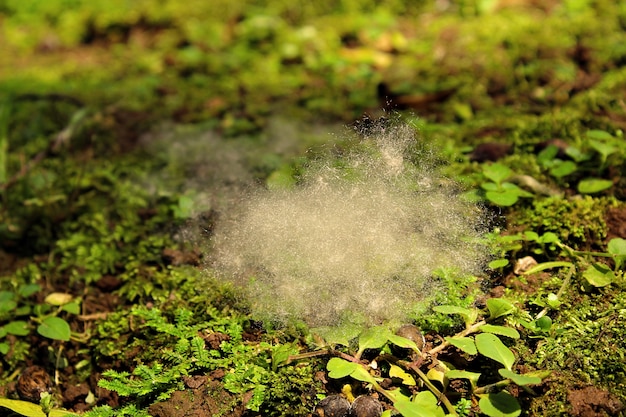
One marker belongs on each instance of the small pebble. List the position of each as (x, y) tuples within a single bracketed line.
[(32, 383), (364, 406), (332, 406)]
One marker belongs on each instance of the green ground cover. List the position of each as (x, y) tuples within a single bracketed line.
[(130, 130)]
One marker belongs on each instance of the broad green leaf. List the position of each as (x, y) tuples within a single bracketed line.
[(62, 413), (403, 342), (339, 368), (55, 328), (502, 198), (28, 290), (497, 172), (396, 372), (599, 275), (437, 374), (603, 149), (424, 404), (361, 374), (548, 265), (499, 307), (373, 338), (23, 408), (598, 134), (500, 330), (498, 263), (17, 328), (339, 335), (510, 187), (466, 344), (593, 185), (4, 348), (460, 374), (617, 248), (519, 379), (501, 404), (7, 305), (492, 347)]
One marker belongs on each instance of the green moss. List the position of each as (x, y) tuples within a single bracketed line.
[(578, 222)]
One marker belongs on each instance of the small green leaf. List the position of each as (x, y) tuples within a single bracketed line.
[(563, 169), (23, 408), (4, 348), (396, 372), (502, 198), (28, 290), (55, 328), (460, 374), (617, 248), (519, 379), (499, 307), (373, 338), (501, 404), (466, 344), (424, 404), (72, 308), (17, 328), (553, 301), (497, 172), (403, 342), (599, 275), (340, 368), (361, 374), (500, 330), (498, 263), (598, 134), (492, 347), (593, 185)]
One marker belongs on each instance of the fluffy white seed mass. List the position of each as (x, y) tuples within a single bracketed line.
[(361, 233)]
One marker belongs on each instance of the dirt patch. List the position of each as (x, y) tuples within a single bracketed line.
[(615, 219), (594, 402), (205, 400)]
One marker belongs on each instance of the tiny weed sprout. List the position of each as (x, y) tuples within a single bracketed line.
[(359, 235)]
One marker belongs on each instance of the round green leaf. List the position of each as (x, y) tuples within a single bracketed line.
[(373, 338), (594, 185), (339, 368), (17, 328), (498, 307), (466, 344), (500, 330), (492, 347), (599, 275), (498, 263), (55, 328), (502, 198), (501, 404)]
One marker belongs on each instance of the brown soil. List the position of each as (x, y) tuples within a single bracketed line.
[(594, 402), (615, 219), (203, 398)]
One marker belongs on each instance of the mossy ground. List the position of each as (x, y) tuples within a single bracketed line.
[(124, 124)]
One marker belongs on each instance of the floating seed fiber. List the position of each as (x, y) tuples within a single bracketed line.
[(360, 234)]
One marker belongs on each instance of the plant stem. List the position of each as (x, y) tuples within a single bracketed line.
[(472, 329)]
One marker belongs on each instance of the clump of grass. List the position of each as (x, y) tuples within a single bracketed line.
[(360, 234)]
